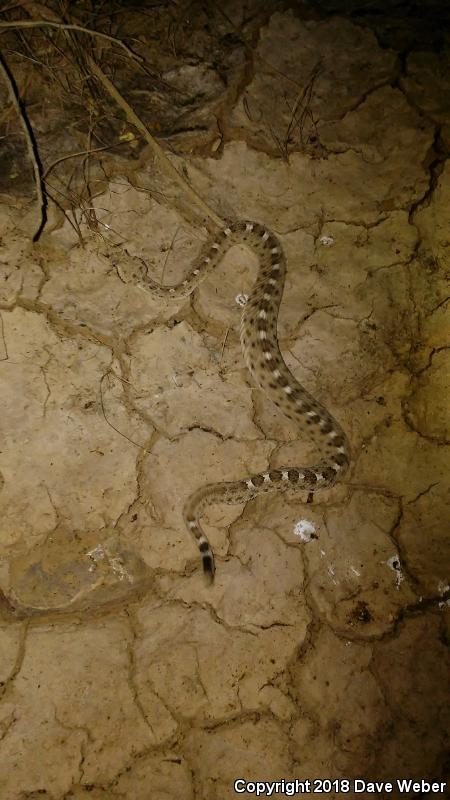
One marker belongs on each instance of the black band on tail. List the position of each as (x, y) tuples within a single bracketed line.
[(208, 565)]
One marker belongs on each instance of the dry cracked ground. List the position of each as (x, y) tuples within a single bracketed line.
[(321, 650)]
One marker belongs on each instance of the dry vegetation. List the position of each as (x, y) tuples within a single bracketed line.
[(61, 65)]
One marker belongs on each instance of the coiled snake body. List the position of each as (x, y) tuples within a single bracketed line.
[(258, 334)]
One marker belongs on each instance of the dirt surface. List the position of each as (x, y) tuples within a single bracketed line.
[(321, 650)]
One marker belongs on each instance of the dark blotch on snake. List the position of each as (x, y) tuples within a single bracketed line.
[(257, 480), (275, 476), (309, 476), (208, 565)]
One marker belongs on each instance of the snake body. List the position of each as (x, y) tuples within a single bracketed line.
[(258, 335)]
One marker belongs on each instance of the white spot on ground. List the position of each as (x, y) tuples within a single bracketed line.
[(443, 588), (305, 530), (326, 241), (118, 568), (97, 554), (394, 563), (104, 553)]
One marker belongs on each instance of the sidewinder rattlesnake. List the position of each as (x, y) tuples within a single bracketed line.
[(258, 334)]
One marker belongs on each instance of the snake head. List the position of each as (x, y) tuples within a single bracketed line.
[(131, 269)]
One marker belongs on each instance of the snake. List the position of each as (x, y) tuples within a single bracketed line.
[(261, 352)]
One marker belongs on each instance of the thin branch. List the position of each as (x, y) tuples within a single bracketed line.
[(31, 144), (104, 376), (170, 250), (77, 155), (41, 23)]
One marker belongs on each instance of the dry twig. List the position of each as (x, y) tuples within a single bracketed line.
[(44, 23), (31, 144)]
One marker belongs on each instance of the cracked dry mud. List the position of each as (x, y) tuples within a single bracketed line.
[(322, 648)]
